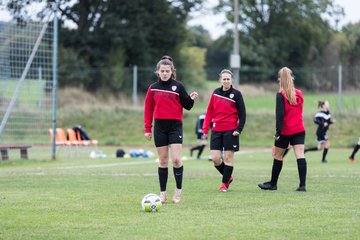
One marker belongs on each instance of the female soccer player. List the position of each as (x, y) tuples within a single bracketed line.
[(226, 112), (289, 129), (199, 135), (164, 102), (323, 120), (356, 148)]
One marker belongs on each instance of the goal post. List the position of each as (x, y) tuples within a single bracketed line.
[(27, 75)]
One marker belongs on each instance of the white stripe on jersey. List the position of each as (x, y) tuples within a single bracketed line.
[(224, 97), (323, 115)]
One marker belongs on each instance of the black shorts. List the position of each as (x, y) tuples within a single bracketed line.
[(285, 140), (321, 136), (224, 141), (167, 132)]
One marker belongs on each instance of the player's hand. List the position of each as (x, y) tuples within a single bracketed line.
[(194, 95), (325, 124), (148, 136), (236, 133)]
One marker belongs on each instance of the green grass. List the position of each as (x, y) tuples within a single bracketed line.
[(100, 199)]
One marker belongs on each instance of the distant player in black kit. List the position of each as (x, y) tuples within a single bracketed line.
[(199, 135), (289, 129), (323, 120), (164, 102), (356, 148), (227, 114)]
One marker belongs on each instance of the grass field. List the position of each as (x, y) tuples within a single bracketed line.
[(100, 199)]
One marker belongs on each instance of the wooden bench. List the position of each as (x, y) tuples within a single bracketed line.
[(23, 151)]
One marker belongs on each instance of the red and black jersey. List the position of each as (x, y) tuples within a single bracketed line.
[(289, 117), (226, 111), (165, 100)]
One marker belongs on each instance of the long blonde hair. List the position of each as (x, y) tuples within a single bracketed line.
[(286, 80)]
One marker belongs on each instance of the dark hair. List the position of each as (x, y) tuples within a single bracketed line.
[(167, 57), (321, 103), (166, 61)]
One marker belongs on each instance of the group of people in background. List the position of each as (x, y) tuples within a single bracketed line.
[(226, 117)]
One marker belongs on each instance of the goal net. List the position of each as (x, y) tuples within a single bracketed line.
[(26, 81)]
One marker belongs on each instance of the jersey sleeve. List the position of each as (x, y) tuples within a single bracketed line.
[(185, 99), (279, 112), (208, 116), (241, 113), (149, 106)]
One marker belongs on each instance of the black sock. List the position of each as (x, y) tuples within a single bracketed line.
[(324, 154), (310, 149), (201, 149), (301, 162), (227, 173), (163, 177), (276, 169), (356, 148), (220, 168), (178, 174), (193, 149), (286, 151)]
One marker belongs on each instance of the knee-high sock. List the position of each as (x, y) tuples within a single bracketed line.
[(201, 149), (311, 149), (324, 154), (356, 148), (163, 177), (220, 168), (276, 169), (178, 174), (301, 162), (227, 173)]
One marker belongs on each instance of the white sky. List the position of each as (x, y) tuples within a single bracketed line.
[(213, 22)]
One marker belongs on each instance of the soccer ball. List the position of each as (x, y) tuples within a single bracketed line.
[(151, 203)]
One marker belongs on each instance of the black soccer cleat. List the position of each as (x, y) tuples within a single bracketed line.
[(267, 186)]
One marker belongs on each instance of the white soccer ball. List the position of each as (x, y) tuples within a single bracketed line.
[(151, 203)]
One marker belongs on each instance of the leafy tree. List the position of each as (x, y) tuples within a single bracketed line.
[(275, 33), (139, 31)]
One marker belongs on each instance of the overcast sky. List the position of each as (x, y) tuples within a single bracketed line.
[(213, 22)]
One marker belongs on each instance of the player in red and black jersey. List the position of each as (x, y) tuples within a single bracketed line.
[(289, 129), (227, 114), (164, 102)]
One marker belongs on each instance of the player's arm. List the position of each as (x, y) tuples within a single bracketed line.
[(208, 116), (185, 99), (149, 106), (279, 113), (240, 105)]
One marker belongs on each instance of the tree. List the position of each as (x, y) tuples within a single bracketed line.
[(275, 33), (140, 31)]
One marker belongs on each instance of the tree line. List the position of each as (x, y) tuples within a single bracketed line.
[(109, 37)]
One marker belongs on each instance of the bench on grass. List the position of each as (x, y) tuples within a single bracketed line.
[(23, 151)]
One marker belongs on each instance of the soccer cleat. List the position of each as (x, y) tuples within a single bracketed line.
[(352, 160), (177, 196), (301, 189), (163, 196), (267, 186), (223, 188), (230, 181), (324, 161)]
